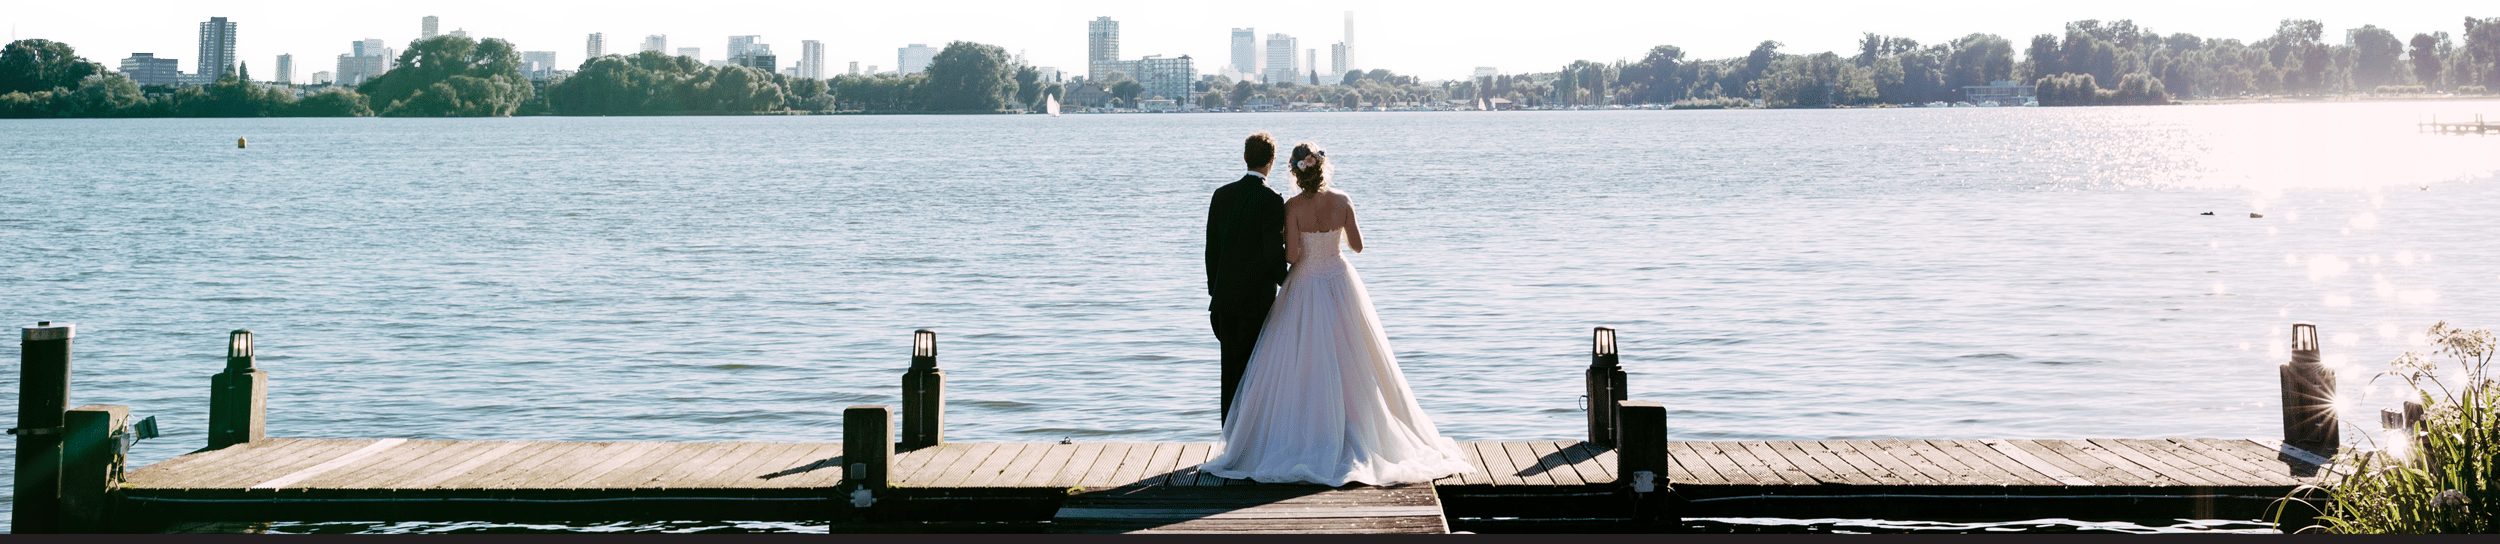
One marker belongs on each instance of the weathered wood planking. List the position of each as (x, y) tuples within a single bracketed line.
[(1409, 508)]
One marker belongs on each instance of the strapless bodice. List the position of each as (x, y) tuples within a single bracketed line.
[(1318, 246)]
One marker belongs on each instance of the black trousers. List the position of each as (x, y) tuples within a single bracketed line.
[(1238, 332)]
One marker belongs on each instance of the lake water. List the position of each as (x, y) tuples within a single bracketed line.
[(1844, 274)]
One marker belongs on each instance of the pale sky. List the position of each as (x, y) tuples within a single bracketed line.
[(1434, 40)]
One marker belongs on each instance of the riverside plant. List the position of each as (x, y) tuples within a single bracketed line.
[(2443, 473)]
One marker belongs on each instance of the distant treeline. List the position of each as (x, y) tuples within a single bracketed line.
[(2092, 63)]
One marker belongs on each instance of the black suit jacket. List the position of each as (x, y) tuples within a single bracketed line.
[(1245, 246)]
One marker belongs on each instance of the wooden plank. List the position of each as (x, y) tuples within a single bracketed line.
[(503, 477), (1866, 466), (380, 466), (1691, 463), (223, 473), (2163, 462), (1524, 458), (1133, 466), (2278, 448), (1497, 464), (996, 466), (1835, 469), (954, 474), (1900, 461), (2230, 466), (752, 477), (1560, 465), (445, 460), (824, 468), (1192, 454), (2055, 467), (2111, 465), (1209, 479), (2088, 470), (1900, 472), (1480, 477), (1106, 465), (1054, 458), (642, 471), (1920, 452), (581, 460), (475, 459), (1073, 473), (1989, 465), (1789, 469), (339, 462), (2257, 457), (1166, 460), (729, 468), (710, 458), (1714, 454), (1583, 457), (929, 464), (163, 471), (298, 459), (639, 452)]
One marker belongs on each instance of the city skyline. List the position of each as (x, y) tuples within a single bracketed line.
[(1431, 44)]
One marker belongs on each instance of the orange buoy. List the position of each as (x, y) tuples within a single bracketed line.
[(238, 144)]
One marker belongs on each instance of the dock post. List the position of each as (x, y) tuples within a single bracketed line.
[(1641, 462), (91, 464), (924, 394), (867, 455), (2309, 396), (238, 399), (42, 402), (1605, 389)]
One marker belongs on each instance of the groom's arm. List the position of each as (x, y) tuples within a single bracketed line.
[(1215, 212), (1271, 231)]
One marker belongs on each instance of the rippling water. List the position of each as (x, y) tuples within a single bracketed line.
[(1944, 273)]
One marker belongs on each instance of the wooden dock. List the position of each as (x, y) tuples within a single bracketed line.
[(1627, 476), (2478, 126), (1157, 487)]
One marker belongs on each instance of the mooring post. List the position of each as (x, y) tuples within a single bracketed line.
[(924, 394), (238, 398), (1641, 462), (1605, 386), (42, 402), (867, 452), (91, 464), (2309, 396)]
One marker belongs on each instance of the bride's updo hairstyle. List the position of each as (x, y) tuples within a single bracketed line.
[(1310, 167)]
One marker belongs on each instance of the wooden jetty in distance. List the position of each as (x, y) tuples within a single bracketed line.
[(2476, 127), (1626, 476)]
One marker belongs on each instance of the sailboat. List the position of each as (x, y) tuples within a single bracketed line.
[(1051, 104)]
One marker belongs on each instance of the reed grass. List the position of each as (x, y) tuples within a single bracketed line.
[(2443, 474)]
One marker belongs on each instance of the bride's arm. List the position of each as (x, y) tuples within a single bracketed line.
[(1353, 236), (1293, 243)]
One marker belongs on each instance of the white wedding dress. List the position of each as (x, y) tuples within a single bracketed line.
[(1322, 400)]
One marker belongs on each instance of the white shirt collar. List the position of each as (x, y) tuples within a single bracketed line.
[(1256, 173)]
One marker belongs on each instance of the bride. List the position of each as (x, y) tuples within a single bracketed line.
[(1322, 400)]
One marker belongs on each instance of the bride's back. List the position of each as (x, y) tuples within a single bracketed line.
[(1322, 211)]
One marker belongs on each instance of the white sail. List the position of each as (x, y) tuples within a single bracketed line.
[(1051, 104)]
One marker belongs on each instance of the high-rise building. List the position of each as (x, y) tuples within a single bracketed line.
[(811, 59), (286, 70), (1310, 67), (1336, 61), (657, 43), (1246, 50), (146, 69), (1280, 61), (1350, 64), (216, 48), (738, 45), (538, 64), (355, 69), (598, 45), (431, 25), (1102, 47), (459, 33), (695, 53), (1173, 78), (1486, 71), (913, 59), (855, 67), (760, 60), (321, 78)]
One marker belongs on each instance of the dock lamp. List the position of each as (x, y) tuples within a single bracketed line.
[(239, 351), (2309, 421), (1605, 388), (924, 394)]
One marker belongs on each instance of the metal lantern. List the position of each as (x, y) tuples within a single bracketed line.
[(2304, 343), (239, 351), (1605, 382), (1602, 346), (924, 349), (924, 394)]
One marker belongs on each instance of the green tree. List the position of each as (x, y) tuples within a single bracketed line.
[(33, 65), (1029, 87), (1126, 91), (452, 76), (108, 95), (1211, 99), (2375, 52), (1813, 81), (809, 94), (333, 102), (969, 76), (2426, 61)]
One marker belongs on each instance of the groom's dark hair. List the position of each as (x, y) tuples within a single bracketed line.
[(1259, 150)]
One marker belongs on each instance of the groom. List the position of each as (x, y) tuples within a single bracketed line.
[(1245, 260)]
